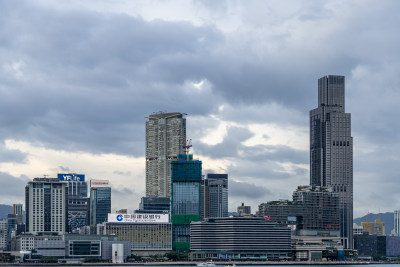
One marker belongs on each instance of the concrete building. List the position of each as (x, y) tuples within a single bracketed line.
[(396, 223), (147, 233), (51, 248), (357, 229), (331, 148), (165, 137), (320, 207), (46, 206), (186, 198), (239, 238), (100, 201), (78, 200), (243, 210), (214, 196), (3, 234)]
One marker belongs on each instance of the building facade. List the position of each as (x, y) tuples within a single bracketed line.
[(331, 148), (239, 238), (78, 201), (165, 137), (147, 233), (243, 210), (46, 206), (374, 228), (3, 234), (396, 223), (214, 196), (154, 205), (186, 179), (100, 201)]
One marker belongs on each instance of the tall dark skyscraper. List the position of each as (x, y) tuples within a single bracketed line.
[(100, 201), (214, 197), (331, 148)]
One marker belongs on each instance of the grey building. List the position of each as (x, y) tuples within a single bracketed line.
[(214, 190), (239, 238), (46, 206), (331, 148), (243, 210), (78, 200), (51, 248), (313, 211), (165, 137), (370, 245), (320, 208)]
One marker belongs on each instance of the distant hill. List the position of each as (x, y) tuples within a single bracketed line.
[(5, 210), (387, 218)]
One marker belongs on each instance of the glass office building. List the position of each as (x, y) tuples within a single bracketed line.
[(186, 176), (100, 201)]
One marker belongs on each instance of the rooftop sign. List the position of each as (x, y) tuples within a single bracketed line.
[(71, 177), (138, 218)]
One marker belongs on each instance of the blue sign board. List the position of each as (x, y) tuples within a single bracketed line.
[(71, 177)]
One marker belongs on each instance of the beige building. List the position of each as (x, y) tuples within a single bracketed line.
[(165, 137)]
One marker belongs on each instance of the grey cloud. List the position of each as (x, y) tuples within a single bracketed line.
[(12, 188), (247, 190), (11, 155), (127, 173)]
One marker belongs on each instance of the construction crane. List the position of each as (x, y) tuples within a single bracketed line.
[(186, 146)]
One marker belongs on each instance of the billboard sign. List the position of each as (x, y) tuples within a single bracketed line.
[(71, 177), (138, 218), (99, 183)]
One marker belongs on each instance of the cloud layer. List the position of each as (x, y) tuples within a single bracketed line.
[(79, 79)]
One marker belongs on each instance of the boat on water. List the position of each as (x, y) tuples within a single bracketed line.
[(207, 263), (233, 265)]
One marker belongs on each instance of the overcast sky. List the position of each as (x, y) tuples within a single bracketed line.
[(78, 78)]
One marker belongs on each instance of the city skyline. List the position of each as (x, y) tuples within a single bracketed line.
[(78, 79)]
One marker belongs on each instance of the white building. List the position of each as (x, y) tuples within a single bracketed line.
[(3, 234), (46, 206)]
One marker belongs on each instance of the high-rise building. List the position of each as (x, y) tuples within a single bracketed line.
[(46, 206), (331, 149), (165, 137), (396, 223), (78, 201), (17, 210), (214, 196), (3, 234), (186, 198), (100, 201)]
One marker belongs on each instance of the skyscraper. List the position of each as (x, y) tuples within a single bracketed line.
[(185, 199), (331, 148), (100, 201), (46, 206), (214, 196), (165, 137), (78, 201)]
